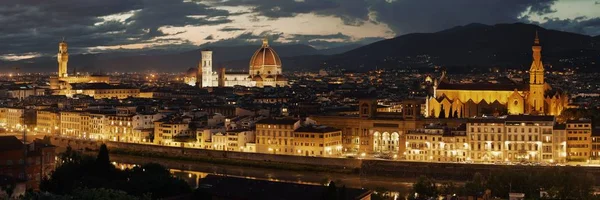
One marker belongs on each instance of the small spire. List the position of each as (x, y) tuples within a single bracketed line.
[(63, 39), (537, 39), (265, 42)]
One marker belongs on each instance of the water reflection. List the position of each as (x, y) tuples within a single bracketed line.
[(193, 177)]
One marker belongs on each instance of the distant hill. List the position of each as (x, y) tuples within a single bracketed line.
[(174, 62), (502, 45), (471, 47)]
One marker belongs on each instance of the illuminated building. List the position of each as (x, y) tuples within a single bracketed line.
[(3, 113), (559, 142), (370, 131), (92, 85), (63, 79), (513, 138), (15, 119), (265, 70), (595, 152), (48, 121), (579, 139), (100, 90), (318, 140), (233, 140), (166, 129), (436, 143), (74, 124), (275, 136), (265, 67), (475, 99)]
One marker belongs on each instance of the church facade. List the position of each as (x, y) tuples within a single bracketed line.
[(508, 97), (264, 70)]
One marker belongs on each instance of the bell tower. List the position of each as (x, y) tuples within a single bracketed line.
[(206, 69), (63, 58), (536, 79)]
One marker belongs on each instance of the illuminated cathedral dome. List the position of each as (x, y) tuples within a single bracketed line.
[(265, 56)]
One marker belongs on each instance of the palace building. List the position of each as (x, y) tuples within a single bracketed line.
[(265, 70), (96, 86), (63, 79), (462, 100)]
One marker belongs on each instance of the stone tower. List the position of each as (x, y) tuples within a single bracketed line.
[(206, 68), (536, 79), (199, 75), (63, 58)]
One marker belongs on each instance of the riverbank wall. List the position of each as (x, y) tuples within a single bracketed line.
[(223, 157), (366, 168)]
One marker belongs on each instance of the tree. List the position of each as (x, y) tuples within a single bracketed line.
[(9, 189), (102, 193), (476, 185), (331, 192), (342, 195), (153, 179), (103, 158), (148, 180), (425, 188), (70, 156)]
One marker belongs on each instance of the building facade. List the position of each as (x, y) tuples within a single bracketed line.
[(579, 140), (276, 136), (321, 141)]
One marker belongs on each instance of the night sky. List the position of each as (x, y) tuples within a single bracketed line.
[(32, 28)]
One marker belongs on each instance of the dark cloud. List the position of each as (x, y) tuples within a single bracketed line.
[(277, 38), (229, 29), (578, 25), (35, 26), (405, 16), (321, 41), (348, 10), (38, 25)]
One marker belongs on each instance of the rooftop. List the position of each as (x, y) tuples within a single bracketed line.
[(285, 121), (316, 129), (482, 86), (579, 121), (83, 86), (8, 143)]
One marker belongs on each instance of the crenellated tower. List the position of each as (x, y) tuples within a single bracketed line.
[(63, 58), (536, 79)]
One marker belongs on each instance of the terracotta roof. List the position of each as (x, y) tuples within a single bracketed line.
[(277, 121), (529, 118), (264, 56), (483, 86), (316, 129)]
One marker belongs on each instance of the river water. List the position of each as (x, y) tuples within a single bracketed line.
[(192, 172)]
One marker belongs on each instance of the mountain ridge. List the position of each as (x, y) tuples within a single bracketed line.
[(472, 46)]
